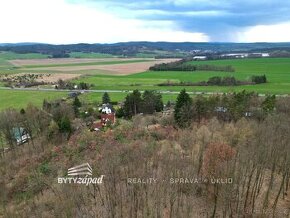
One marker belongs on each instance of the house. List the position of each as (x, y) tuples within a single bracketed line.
[(107, 117), (235, 55), (221, 109), (20, 135), (108, 114), (248, 114), (107, 109), (259, 55), (202, 58)]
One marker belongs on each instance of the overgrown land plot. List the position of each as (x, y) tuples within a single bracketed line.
[(207, 160)]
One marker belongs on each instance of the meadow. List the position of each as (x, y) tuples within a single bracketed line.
[(277, 71), (5, 57), (19, 99), (89, 55)]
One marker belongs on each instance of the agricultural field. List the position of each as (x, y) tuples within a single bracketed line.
[(124, 74), (277, 71), (51, 70), (89, 55), (114, 66), (5, 57), (71, 62)]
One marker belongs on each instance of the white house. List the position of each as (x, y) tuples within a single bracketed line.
[(199, 58), (107, 109)]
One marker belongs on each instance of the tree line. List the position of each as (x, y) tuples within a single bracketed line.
[(183, 65), (259, 79), (62, 84), (228, 107), (219, 81), (146, 103)]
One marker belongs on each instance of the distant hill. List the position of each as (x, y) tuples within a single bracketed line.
[(19, 44), (133, 48)]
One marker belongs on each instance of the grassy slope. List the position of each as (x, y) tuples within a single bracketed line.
[(20, 99)]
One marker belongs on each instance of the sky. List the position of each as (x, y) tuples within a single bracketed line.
[(109, 21)]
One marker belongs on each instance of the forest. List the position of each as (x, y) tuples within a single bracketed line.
[(239, 138), (219, 81), (184, 65), (132, 48)]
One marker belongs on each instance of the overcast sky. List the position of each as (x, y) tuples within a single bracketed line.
[(106, 21)]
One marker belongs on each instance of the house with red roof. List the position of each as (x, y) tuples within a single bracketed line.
[(107, 117)]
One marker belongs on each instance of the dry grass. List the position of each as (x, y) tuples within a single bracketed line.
[(131, 68), (49, 78), (55, 77), (112, 69)]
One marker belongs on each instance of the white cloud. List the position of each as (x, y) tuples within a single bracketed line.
[(266, 33), (56, 21)]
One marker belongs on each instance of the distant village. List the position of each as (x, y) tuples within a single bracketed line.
[(231, 56)]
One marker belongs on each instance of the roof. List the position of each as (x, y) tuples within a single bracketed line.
[(199, 57), (18, 132), (105, 117), (221, 109), (104, 106)]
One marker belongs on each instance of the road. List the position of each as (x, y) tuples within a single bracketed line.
[(113, 91), (97, 91)]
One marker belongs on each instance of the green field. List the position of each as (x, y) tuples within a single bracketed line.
[(277, 71), (89, 55), (20, 99), (13, 56), (6, 67)]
